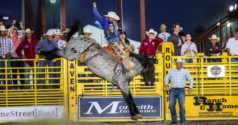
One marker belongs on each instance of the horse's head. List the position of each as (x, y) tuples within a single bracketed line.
[(76, 46)]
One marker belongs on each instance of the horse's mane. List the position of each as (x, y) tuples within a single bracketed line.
[(76, 27)]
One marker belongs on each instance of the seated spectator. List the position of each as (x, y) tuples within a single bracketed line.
[(189, 48), (213, 48), (232, 46), (148, 48)]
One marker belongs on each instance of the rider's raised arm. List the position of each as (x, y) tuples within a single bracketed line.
[(98, 16)]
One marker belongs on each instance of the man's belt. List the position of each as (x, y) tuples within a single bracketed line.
[(178, 88)]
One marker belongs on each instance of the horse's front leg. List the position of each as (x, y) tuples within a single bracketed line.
[(134, 112)]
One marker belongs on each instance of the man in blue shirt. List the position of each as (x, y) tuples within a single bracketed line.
[(45, 49), (178, 77)]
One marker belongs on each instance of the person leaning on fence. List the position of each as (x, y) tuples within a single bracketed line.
[(148, 49), (213, 49), (26, 51), (176, 39), (189, 48), (177, 77), (6, 50), (44, 50), (17, 63), (232, 46)]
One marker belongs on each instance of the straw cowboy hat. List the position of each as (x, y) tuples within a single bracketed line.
[(49, 33), (214, 36), (113, 15), (87, 31), (180, 61), (59, 33), (2, 28), (28, 30), (151, 31)]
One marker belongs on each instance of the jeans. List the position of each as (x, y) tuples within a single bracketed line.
[(51, 75), (17, 69), (180, 95), (29, 75), (3, 74), (234, 59)]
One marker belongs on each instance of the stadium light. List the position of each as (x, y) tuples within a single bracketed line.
[(231, 8), (235, 6), (218, 24), (53, 1), (228, 24)]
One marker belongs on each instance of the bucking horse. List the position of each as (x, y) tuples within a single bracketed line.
[(103, 65)]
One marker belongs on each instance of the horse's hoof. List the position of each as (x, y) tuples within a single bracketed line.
[(139, 116), (134, 117)]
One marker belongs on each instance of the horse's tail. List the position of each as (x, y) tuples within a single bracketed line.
[(76, 27), (148, 68), (140, 58)]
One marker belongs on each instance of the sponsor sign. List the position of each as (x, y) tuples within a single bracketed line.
[(116, 107), (212, 106), (216, 71), (31, 113)]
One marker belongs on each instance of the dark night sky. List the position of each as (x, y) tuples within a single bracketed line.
[(189, 13)]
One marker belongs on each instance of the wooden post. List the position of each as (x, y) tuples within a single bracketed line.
[(142, 19), (120, 12), (41, 19), (62, 15)]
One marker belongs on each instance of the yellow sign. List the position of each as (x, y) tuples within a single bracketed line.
[(209, 107), (212, 106)]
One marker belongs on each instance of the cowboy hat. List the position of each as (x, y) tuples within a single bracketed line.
[(58, 33), (214, 36), (180, 61), (87, 31), (2, 28), (151, 31), (113, 15), (49, 33), (28, 30)]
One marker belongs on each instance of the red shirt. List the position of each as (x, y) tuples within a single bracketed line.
[(28, 49), (149, 48)]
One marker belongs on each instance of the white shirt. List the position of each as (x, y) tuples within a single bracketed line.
[(232, 44), (189, 47), (178, 78), (60, 43), (164, 36)]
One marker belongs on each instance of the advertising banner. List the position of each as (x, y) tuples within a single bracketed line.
[(116, 107), (31, 113)]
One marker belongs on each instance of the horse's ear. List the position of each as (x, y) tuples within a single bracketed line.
[(76, 27), (80, 28)]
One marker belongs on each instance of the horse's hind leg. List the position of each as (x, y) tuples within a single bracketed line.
[(134, 112)]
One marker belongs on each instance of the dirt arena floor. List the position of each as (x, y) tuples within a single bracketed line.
[(124, 123)]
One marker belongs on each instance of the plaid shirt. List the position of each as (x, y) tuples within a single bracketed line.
[(6, 45), (178, 78)]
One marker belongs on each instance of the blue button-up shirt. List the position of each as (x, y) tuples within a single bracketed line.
[(178, 78), (44, 45)]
